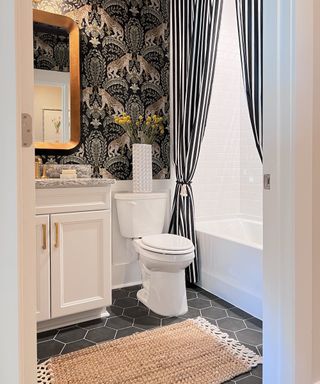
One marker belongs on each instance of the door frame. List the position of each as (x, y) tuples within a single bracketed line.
[(17, 235), (289, 126)]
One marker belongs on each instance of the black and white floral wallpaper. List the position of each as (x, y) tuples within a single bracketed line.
[(124, 67)]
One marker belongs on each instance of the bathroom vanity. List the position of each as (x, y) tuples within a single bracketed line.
[(73, 232)]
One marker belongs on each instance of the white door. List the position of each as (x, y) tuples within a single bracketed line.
[(43, 267), (80, 256)]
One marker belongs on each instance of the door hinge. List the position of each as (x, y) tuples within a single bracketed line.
[(26, 128)]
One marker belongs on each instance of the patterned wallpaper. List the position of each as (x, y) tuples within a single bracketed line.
[(51, 50), (124, 67)]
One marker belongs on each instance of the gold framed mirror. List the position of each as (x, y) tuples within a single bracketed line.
[(57, 84)]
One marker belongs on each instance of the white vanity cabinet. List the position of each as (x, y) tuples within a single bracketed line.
[(73, 254)]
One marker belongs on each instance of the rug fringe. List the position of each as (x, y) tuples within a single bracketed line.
[(235, 347), (45, 373)]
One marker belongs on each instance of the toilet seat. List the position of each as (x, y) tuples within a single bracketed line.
[(167, 242)]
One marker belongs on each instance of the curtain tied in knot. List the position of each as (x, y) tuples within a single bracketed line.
[(184, 190)]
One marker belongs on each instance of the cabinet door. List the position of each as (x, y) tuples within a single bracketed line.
[(43, 267), (80, 262)]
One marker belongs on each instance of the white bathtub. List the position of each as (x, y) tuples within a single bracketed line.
[(231, 261)]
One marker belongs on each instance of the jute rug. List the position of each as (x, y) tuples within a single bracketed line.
[(191, 352)]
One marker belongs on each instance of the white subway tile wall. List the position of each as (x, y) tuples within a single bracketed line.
[(251, 171), (228, 180)]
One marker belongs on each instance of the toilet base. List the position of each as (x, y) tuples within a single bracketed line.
[(164, 292)]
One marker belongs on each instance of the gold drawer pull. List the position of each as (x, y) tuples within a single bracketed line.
[(57, 235), (44, 236)]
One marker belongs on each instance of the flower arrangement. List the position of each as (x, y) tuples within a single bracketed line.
[(143, 130)]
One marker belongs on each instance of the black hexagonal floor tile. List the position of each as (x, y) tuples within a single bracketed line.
[(254, 324), (214, 313), (119, 293), (49, 348), (126, 302), (241, 377), (91, 324), (249, 380), (207, 295), (172, 320), (211, 321), (70, 334), (192, 313), (133, 294), (119, 322), (76, 346), (191, 295), (257, 371), (127, 332), (249, 336), (153, 314), (199, 303), (47, 335), (238, 314), (99, 335), (113, 310), (222, 304), (147, 322), (136, 311), (231, 324)]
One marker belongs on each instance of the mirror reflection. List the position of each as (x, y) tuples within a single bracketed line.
[(56, 81)]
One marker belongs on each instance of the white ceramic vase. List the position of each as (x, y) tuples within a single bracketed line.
[(142, 167)]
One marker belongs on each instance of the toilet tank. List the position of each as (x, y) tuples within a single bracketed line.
[(141, 214)]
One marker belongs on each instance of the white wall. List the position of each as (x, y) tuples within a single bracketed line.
[(227, 182), (251, 169)]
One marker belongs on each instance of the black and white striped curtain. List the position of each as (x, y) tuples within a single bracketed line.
[(195, 31), (250, 29)]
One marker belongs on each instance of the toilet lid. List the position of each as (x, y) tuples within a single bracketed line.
[(167, 242)]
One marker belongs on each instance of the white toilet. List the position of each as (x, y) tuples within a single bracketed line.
[(163, 257)]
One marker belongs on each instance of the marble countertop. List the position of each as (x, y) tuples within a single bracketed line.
[(72, 183)]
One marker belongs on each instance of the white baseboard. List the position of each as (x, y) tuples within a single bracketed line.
[(126, 284)]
